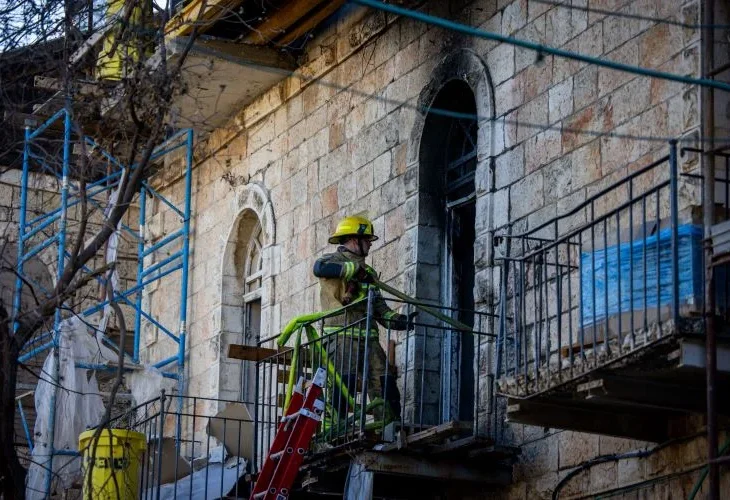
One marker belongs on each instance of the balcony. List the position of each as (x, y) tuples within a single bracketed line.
[(421, 405), (601, 325)]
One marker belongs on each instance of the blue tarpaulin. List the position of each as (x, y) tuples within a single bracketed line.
[(623, 277)]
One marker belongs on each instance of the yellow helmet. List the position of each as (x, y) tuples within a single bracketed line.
[(352, 226)]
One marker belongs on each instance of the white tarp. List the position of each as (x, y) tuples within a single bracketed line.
[(78, 406), (215, 480)]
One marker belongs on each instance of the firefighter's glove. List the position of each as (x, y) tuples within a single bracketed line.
[(365, 274)]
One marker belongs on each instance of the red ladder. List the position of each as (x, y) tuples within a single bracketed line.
[(291, 442)]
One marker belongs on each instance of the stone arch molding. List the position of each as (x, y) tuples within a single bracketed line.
[(248, 201), (253, 196), (467, 65)]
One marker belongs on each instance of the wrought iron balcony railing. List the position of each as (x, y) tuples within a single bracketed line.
[(409, 380), (619, 272)]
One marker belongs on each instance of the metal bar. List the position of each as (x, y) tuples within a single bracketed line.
[(185, 260), (582, 334), (132, 290), (645, 274), (674, 202), (39, 228), (166, 361), (620, 272), (47, 123), (160, 434), (593, 280), (40, 247), (26, 430), (164, 200), (23, 207), (570, 311), (657, 220), (162, 263), (140, 270), (163, 242), (605, 286), (35, 352)]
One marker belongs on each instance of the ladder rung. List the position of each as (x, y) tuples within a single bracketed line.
[(277, 455), (260, 495)]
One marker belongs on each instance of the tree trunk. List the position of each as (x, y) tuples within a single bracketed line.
[(12, 473)]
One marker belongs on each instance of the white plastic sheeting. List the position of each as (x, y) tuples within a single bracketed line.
[(78, 406), (147, 384), (215, 480)]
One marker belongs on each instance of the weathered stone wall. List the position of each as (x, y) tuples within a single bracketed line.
[(349, 141)]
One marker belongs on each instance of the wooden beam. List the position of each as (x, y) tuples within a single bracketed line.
[(280, 20), (642, 425), (311, 22), (191, 15), (431, 435), (421, 467), (252, 353)]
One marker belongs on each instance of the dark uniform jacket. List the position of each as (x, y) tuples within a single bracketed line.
[(339, 286)]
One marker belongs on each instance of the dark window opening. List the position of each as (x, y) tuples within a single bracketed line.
[(448, 193)]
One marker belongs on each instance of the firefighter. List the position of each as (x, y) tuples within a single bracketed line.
[(344, 279)]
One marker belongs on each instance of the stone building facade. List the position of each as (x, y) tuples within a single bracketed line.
[(352, 132)]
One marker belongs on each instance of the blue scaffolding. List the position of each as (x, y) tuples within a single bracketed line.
[(34, 238)]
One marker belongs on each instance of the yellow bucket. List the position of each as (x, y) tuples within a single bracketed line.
[(115, 472)]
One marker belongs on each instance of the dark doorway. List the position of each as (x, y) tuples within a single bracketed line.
[(448, 160)]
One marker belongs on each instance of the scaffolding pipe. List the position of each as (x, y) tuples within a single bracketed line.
[(23, 203), (140, 270), (59, 274)]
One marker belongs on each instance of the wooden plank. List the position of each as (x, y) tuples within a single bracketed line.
[(280, 20), (251, 353), (182, 23), (431, 435), (311, 22)]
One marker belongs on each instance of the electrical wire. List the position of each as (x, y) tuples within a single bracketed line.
[(537, 47), (626, 15)]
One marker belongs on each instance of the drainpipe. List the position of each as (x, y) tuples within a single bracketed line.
[(708, 167)]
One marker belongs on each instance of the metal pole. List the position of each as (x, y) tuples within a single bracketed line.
[(674, 202), (140, 271), (366, 368), (21, 230), (708, 167), (184, 286), (57, 316)]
